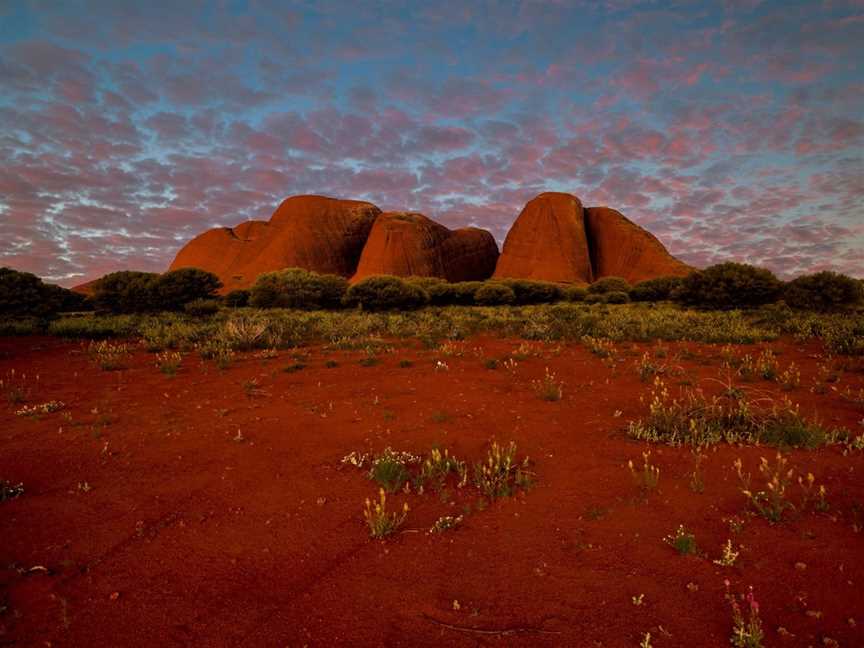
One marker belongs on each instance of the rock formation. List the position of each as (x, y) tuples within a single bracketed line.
[(553, 239), (409, 244), (313, 232), (620, 248), (548, 242)]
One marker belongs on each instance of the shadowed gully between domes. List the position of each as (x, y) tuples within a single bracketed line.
[(553, 239)]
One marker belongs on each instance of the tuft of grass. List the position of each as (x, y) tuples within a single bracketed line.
[(331, 364), (380, 522), (294, 367), (169, 362), (697, 420), (110, 356), (490, 363), (682, 541), (500, 474), (390, 469), (549, 388), (405, 364), (647, 476)]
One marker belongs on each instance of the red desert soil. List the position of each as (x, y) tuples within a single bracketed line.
[(190, 537)]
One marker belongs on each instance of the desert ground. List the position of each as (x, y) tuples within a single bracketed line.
[(213, 505)]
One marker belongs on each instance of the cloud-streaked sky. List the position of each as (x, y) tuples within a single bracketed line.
[(732, 129)]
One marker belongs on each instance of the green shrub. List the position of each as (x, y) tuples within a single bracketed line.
[(127, 291), (202, 307), (609, 284), (823, 291), (384, 292), (444, 293), (494, 294), (595, 298), (236, 298), (616, 297), (173, 290), (534, 292), (729, 285), (657, 289), (575, 293), (25, 294), (298, 288)]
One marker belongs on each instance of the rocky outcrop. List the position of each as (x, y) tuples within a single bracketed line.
[(620, 248), (313, 232), (553, 239), (548, 242), (410, 244)]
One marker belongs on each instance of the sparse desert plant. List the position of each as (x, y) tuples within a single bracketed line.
[(380, 522), (244, 333), (331, 364), (202, 307), (575, 294), (813, 493), (697, 481), (491, 363), (168, 362), (766, 365), (599, 347), (9, 490), (42, 408), (369, 360), (682, 541), (698, 420), (548, 388), (500, 474), (390, 468), (446, 522), (790, 378), (647, 476), (437, 466), (16, 387), (294, 367), (405, 363), (653, 290), (772, 502), (108, 355), (728, 556), (746, 626)]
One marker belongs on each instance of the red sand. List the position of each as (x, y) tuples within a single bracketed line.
[(191, 538)]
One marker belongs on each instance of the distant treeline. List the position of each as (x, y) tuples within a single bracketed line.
[(720, 287)]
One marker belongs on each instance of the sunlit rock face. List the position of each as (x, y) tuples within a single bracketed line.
[(556, 239), (410, 244)]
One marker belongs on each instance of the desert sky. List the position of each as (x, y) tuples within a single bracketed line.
[(733, 129)]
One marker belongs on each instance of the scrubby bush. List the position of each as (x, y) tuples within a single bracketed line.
[(823, 291), (236, 299), (608, 285), (729, 285), (494, 294), (616, 297), (25, 294), (127, 291), (202, 307), (657, 289), (445, 293), (384, 292), (534, 292), (173, 290), (575, 293), (298, 288), (140, 292)]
